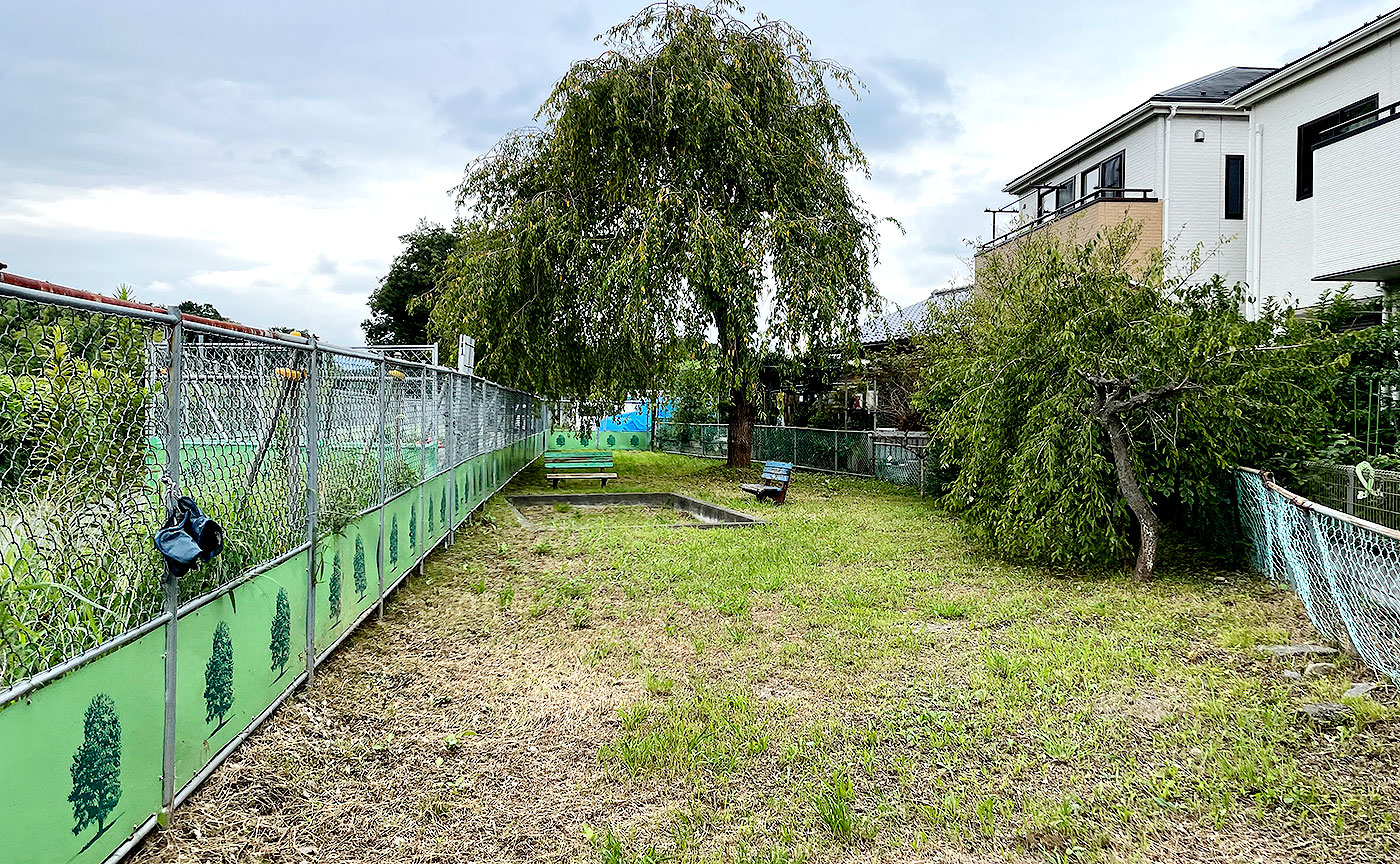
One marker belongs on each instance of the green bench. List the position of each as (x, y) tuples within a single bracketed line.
[(578, 465)]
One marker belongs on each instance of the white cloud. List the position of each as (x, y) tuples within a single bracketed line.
[(266, 161)]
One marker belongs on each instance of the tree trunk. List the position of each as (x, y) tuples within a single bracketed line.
[(741, 413), (1120, 441)]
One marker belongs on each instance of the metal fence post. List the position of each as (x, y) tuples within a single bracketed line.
[(171, 586), (451, 458), (313, 434), (379, 454), (422, 467)]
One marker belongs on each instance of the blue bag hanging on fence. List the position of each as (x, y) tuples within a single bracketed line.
[(188, 537)]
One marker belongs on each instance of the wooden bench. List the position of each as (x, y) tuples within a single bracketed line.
[(774, 483), (579, 465)]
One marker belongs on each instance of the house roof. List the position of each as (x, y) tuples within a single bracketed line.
[(900, 324), (1382, 27), (1207, 94), (1215, 87)]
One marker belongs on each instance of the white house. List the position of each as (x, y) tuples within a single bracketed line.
[(1175, 163), (1324, 168)]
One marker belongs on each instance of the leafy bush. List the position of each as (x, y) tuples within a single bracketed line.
[(1076, 386), (64, 415)]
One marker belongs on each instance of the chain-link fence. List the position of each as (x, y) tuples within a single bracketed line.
[(333, 472), (1345, 570), (891, 457), (108, 411), (1356, 490)]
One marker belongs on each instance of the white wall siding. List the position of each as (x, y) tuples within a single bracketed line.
[(1194, 209), (1356, 221), (1140, 158), (1282, 263)]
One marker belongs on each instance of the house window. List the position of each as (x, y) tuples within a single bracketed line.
[(1111, 172), (1309, 132), (1064, 194), (1089, 181), (1234, 187)]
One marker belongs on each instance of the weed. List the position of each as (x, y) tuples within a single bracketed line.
[(658, 686)]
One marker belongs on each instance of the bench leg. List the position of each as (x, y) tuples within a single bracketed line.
[(605, 482), (555, 483)]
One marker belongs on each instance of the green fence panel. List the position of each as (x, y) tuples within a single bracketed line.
[(235, 656), (347, 580), (567, 439), (81, 762)]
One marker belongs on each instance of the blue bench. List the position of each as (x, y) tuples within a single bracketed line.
[(774, 483)]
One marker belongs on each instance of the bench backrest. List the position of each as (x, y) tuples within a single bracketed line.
[(579, 459), (777, 473)]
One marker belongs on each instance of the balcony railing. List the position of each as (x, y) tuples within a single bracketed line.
[(1021, 229), (1351, 127)]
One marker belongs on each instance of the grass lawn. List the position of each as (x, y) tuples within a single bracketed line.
[(847, 683)]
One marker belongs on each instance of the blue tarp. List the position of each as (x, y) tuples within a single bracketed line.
[(635, 421)]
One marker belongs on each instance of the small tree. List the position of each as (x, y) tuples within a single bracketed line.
[(1078, 392), (218, 678), (334, 588), (280, 645), (361, 581), (394, 539), (97, 766), (395, 316)]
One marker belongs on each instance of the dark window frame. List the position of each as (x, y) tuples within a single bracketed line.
[(1234, 186), (1065, 189), (1309, 132), (1121, 157)]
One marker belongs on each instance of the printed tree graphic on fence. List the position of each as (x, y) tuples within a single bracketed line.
[(97, 767), (612, 440), (413, 527), (394, 540), (218, 678), (636, 441), (430, 519), (361, 583), (442, 508), (335, 586), (281, 644)]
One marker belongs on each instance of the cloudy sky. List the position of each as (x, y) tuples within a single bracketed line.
[(265, 156)]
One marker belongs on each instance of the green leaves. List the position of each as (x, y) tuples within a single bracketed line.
[(1206, 389), (688, 177)]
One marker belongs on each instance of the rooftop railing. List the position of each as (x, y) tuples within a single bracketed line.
[(1022, 228), (1348, 128)]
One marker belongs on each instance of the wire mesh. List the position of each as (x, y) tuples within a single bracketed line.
[(85, 412), (1373, 495), (840, 451), (242, 449), (79, 495), (1345, 571)]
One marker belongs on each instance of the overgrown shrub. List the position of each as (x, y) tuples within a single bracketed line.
[(1066, 348)]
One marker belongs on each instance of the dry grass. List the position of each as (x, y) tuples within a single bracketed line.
[(849, 683)]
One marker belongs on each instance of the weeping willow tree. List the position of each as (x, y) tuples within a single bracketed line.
[(689, 182)]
